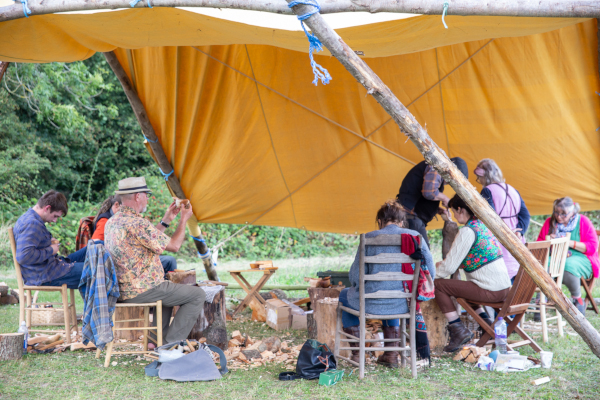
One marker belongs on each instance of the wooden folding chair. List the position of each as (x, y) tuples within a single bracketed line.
[(383, 258), (145, 328), (555, 265), (588, 286), (26, 306), (517, 303)]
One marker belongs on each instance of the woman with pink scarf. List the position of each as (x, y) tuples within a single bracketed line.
[(582, 259), (508, 204)]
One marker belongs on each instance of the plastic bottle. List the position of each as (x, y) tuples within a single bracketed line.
[(25, 332), (500, 333)]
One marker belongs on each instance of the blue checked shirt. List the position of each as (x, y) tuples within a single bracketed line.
[(34, 253), (100, 290)]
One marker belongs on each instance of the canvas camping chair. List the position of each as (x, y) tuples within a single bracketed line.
[(555, 265), (517, 302), (383, 258), (588, 286), (26, 306)]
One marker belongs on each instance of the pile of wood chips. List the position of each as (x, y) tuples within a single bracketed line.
[(245, 352), (471, 354)]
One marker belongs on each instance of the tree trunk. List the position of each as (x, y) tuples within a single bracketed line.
[(311, 325), (11, 346), (160, 157), (326, 322), (449, 232), (522, 8), (211, 323), (440, 161)]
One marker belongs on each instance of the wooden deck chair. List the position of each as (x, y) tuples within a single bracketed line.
[(588, 286), (556, 268), (383, 258), (517, 302), (26, 306)]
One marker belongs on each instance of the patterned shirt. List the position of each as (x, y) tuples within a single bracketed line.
[(135, 245), (432, 181), (38, 264)]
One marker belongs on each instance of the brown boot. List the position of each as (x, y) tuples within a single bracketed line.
[(390, 358), (354, 331), (459, 335)]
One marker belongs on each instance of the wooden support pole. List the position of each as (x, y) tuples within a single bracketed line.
[(3, 68), (438, 159), (159, 155), (521, 8)]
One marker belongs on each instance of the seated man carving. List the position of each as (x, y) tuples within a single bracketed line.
[(135, 246), (37, 252)]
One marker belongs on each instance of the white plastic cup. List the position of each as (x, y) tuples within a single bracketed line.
[(546, 357)]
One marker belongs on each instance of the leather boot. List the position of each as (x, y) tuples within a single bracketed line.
[(354, 331), (390, 358), (459, 335)]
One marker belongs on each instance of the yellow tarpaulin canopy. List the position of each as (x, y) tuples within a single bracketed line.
[(255, 142)]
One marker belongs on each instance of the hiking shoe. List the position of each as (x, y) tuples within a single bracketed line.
[(459, 335), (580, 306)]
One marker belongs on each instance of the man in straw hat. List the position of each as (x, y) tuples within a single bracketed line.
[(135, 246)]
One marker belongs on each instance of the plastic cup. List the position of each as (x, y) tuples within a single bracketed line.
[(546, 357)]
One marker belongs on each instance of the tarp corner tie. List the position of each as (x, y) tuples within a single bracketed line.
[(26, 9), (315, 44), (150, 141), (446, 5), (166, 176)]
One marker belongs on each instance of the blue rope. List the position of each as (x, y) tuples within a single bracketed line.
[(446, 5), (166, 176), (132, 3), (315, 44), (26, 9), (197, 239), (151, 141), (149, 5)]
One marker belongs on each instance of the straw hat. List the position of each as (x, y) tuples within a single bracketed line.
[(133, 185)]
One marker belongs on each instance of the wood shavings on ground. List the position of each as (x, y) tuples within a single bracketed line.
[(245, 352)]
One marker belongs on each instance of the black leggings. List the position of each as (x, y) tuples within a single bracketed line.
[(416, 224)]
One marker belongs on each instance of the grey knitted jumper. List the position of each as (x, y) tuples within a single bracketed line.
[(384, 306)]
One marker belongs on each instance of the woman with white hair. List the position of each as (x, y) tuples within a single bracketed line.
[(582, 260), (508, 204)]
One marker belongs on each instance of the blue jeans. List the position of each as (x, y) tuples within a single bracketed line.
[(349, 320), (79, 255), (72, 278)]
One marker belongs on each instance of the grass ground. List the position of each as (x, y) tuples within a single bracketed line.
[(574, 374)]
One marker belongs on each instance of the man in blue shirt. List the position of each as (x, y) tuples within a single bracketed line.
[(36, 252)]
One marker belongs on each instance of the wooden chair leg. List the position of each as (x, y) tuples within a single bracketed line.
[(146, 331), (543, 318), (98, 351), (159, 324), (74, 313), (28, 312), (403, 342), (108, 354), (413, 343), (559, 321), (66, 312), (361, 349), (589, 298)]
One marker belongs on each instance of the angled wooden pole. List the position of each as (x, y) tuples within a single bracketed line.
[(521, 8), (438, 159), (3, 68), (160, 157)]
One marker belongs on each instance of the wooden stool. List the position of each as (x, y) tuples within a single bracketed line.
[(145, 328)]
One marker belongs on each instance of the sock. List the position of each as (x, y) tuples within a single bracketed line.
[(484, 315), (578, 300), (454, 322)]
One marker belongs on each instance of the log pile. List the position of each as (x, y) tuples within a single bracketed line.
[(245, 352), (471, 354), (8, 295)]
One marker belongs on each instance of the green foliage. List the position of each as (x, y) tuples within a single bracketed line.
[(67, 127)]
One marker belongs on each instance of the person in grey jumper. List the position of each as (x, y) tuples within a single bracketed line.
[(390, 219)]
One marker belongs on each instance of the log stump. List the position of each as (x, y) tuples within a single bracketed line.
[(436, 325), (212, 324), (311, 325), (11, 346), (124, 313), (326, 321)]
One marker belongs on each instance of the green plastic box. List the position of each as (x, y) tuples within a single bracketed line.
[(330, 378)]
